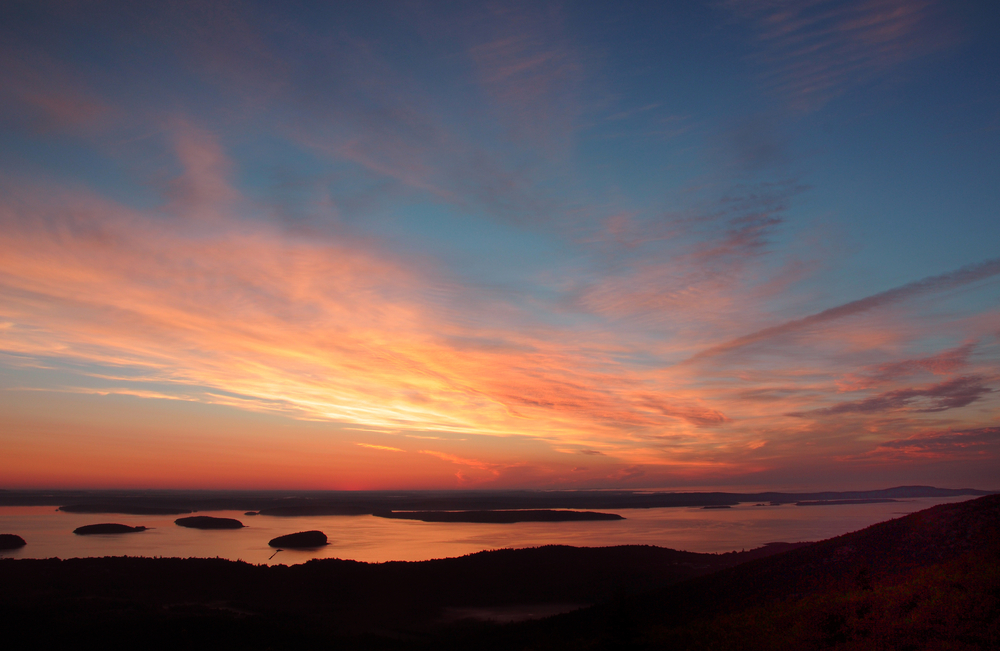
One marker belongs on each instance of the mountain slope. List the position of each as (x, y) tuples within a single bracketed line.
[(927, 580)]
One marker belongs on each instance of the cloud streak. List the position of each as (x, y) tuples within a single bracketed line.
[(943, 363), (936, 446), (952, 394), (932, 284), (816, 50)]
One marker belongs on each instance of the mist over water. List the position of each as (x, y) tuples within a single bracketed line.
[(49, 533)]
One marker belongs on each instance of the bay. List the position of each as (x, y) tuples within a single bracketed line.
[(49, 533)]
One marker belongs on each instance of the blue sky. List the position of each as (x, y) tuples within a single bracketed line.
[(746, 242)]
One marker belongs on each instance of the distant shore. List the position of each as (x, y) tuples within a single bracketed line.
[(500, 516), (313, 503)]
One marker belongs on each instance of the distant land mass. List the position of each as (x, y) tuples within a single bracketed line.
[(500, 516), (930, 579), (127, 508), (313, 503), (208, 522), (836, 502), (104, 528)]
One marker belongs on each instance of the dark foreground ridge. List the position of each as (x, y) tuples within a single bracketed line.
[(311, 503), (90, 529), (11, 541), (927, 580), (500, 517), (300, 540), (208, 522)]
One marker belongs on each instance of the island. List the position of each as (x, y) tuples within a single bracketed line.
[(300, 540), (11, 541), (208, 522), (499, 517), (106, 527)]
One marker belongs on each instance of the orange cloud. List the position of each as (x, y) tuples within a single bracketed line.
[(380, 447), (243, 314), (203, 299)]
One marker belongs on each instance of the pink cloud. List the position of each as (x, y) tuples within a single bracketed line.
[(964, 276), (936, 445), (527, 65), (46, 95), (241, 313), (814, 51), (943, 363), (199, 298), (951, 394)]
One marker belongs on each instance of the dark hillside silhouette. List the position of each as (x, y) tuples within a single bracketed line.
[(236, 605), (927, 580), (914, 582)]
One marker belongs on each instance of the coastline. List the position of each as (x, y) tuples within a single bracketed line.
[(372, 539)]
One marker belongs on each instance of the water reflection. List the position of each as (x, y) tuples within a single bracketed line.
[(49, 533)]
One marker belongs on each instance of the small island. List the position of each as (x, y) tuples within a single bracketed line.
[(11, 541), (208, 522), (500, 517), (107, 527), (300, 540)]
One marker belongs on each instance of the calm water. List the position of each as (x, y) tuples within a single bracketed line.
[(49, 533)]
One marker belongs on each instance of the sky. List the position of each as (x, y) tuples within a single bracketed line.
[(358, 245)]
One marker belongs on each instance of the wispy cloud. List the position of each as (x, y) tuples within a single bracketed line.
[(492, 468), (951, 394), (945, 362), (936, 445), (335, 329), (677, 264), (527, 64), (942, 283), (814, 50), (387, 448), (40, 93)]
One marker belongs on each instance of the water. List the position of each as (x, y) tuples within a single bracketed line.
[(49, 533)]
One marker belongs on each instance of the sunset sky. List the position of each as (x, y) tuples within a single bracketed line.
[(360, 245)]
